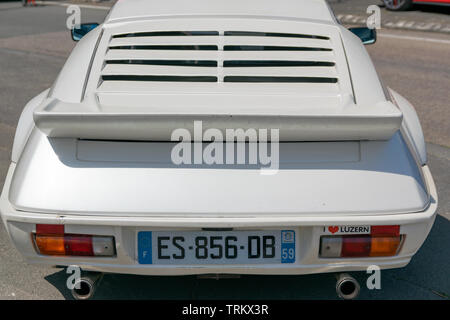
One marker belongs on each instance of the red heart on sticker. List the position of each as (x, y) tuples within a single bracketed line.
[(333, 229)]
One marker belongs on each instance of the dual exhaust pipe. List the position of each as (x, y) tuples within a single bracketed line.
[(347, 287)]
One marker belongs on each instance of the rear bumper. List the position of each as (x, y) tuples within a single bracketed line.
[(20, 225)]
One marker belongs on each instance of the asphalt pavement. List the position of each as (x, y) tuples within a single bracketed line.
[(420, 18), (34, 44)]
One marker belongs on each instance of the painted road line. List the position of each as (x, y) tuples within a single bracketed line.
[(399, 24), (87, 6), (347, 18), (401, 37), (343, 18)]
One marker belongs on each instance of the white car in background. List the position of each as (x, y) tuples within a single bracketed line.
[(92, 182)]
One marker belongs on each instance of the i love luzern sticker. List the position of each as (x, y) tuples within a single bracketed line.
[(347, 230)]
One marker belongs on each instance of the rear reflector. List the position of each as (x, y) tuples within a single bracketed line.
[(385, 230), (50, 229), (50, 240), (384, 241)]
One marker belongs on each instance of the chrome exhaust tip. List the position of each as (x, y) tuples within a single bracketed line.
[(347, 287), (84, 288)]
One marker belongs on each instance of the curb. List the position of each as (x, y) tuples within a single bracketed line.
[(401, 24)]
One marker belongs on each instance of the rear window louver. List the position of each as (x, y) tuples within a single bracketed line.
[(166, 34), (210, 56), (274, 34)]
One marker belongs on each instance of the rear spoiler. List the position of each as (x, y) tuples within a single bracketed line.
[(89, 120)]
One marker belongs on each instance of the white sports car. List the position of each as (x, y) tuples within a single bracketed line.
[(150, 153)]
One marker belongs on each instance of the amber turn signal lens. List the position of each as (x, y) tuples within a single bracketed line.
[(50, 245), (384, 246)]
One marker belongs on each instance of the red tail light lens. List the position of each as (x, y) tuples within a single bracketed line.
[(78, 245), (356, 246)]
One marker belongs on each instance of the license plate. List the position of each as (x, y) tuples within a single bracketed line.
[(216, 247)]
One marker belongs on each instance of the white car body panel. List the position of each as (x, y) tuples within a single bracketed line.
[(349, 154), (142, 9), (411, 126), (26, 125), (142, 180)]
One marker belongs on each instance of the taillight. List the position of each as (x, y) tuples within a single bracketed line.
[(51, 240), (50, 245), (385, 246), (355, 246), (78, 245), (383, 241)]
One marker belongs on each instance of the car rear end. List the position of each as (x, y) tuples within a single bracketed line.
[(314, 215), (98, 188)]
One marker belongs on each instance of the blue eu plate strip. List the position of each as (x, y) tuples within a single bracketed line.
[(145, 247), (287, 246)]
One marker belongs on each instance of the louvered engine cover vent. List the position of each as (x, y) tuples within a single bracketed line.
[(212, 56)]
